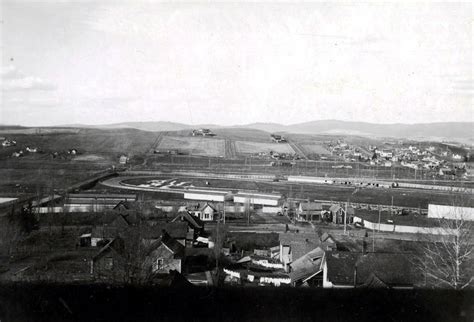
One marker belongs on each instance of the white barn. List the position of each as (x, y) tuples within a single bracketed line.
[(257, 198), (206, 195), (450, 212)]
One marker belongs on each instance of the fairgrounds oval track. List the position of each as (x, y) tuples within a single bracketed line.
[(402, 197)]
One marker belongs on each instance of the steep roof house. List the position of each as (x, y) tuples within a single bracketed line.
[(309, 211), (337, 213), (195, 226), (205, 212), (109, 263), (386, 270), (164, 255), (295, 245), (112, 226), (307, 270), (176, 230)]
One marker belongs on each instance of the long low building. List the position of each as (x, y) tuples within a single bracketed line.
[(206, 195), (341, 181), (257, 198), (95, 202), (450, 212), (108, 196), (304, 179)]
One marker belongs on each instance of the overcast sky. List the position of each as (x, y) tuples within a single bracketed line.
[(97, 63)]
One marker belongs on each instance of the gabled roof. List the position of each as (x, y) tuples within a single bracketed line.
[(307, 265), (172, 244), (207, 204), (105, 232), (120, 221), (374, 282), (325, 237), (393, 269), (117, 244), (193, 221), (300, 243), (176, 230), (340, 267), (311, 206), (125, 204)]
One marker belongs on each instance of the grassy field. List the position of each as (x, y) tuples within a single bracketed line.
[(246, 147), (86, 141), (237, 134), (27, 176), (315, 149), (194, 145)]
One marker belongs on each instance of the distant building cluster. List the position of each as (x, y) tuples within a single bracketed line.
[(203, 132), (278, 138)]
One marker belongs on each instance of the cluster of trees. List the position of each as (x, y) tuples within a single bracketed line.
[(447, 259)]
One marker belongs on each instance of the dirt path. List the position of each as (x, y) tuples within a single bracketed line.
[(156, 143), (298, 149), (230, 149)]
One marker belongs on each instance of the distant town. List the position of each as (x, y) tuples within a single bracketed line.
[(234, 207), (236, 161)]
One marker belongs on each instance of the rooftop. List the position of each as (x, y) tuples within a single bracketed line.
[(393, 269)]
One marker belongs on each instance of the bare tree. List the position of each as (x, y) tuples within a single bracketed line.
[(448, 261), (219, 235), (10, 232)]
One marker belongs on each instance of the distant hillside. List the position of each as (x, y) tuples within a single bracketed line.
[(428, 130), (447, 130), (144, 126)]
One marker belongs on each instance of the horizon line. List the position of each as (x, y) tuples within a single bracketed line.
[(226, 125)]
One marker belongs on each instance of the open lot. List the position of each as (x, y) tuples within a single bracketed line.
[(246, 147), (194, 145), (115, 142), (22, 176), (407, 220), (315, 149)]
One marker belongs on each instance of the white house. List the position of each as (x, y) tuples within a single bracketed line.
[(206, 212), (123, 159), (8, 143)]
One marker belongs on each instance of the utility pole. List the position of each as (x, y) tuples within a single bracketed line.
[(217, 248), (224, 211), (373, 241), (247, 201), (391, 208), (345, 217), (380, 210)]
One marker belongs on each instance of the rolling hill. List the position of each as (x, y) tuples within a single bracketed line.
[(446, 130)]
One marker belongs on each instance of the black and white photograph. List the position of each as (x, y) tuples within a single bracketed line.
[(236, 160)]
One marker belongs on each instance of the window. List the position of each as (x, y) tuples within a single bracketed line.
[(109, 262), (159, 264)]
